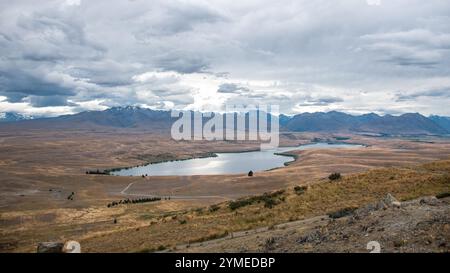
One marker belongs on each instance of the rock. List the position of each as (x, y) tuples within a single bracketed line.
[(380, 205), (386, 202), (314, 236), (50, 247), (389, 200), (72, 247), (429, 200)]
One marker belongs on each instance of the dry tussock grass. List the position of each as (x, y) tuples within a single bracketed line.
[(320, 198)]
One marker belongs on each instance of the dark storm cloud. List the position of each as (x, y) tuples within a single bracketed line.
[(18, 83), (36, 55), (44, 101), (320, 101), (441, 92), (51, 37), (104, 73)]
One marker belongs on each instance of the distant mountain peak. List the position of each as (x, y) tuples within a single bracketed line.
[(125, 108), (370, 115), (11, 116), (413, 115)]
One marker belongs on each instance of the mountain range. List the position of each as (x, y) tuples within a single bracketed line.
[(410, 123), (144, 118), (10, 117)]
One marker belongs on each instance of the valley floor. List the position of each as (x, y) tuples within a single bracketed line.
[(40, 170)]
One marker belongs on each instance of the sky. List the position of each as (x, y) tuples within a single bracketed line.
[(356, 56)]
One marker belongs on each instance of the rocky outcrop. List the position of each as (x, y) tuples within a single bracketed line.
[(419, 225)]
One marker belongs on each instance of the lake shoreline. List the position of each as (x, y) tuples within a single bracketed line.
[(229, 159)]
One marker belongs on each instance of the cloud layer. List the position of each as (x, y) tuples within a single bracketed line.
[(62, 57)]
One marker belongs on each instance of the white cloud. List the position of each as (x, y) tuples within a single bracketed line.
[(303, 55), (73, 2)]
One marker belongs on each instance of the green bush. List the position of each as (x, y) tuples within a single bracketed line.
[(334, 176), (300, 189)]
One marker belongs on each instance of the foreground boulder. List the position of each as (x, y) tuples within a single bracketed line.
[(386, 202), (50, 247)]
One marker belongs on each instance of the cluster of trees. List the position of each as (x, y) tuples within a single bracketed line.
[(269, 199), (134, 201), (97, 172)]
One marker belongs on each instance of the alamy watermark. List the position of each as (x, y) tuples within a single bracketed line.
[(238, 122)]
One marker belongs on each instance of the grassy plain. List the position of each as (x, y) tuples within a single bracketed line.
[(39, 170)]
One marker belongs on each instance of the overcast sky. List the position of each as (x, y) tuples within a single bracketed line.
[(357, 56)]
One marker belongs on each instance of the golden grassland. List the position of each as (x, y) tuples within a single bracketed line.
[(38, 170), (189, 226)]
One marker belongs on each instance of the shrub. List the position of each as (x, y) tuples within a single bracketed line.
[(270, 241), (443, 195), (214, 208), (210, 237), (161, 248), (199, 210), (300, 189), (399, 243), (334, 176), (341, 213), (270, 203), (267, 198), (239, 203), (182, 222)]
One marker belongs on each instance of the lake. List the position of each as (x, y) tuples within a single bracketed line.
[(226, 163)]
